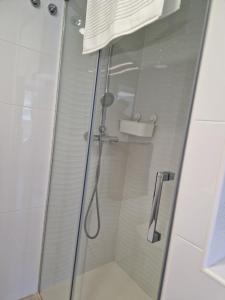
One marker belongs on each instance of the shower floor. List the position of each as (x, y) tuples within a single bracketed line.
[(108, 282)]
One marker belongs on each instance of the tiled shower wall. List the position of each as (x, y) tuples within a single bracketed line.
[(29, 55)]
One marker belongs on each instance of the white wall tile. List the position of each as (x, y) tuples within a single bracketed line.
[(26, 136), (216, 252), (197, 192), (7, 70), (211, 104), (29, 59), (20, 233), (35, 79), (31, 27), (187, 281), (10, 19), (41, 31), (27, 77)]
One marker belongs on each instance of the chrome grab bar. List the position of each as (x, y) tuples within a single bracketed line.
[(153, 235)]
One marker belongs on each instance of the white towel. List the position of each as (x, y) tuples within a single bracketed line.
[(109, 19)]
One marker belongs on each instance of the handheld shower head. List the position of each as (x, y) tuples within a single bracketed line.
[(106, 101)]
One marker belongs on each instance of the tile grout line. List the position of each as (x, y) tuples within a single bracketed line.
[(26, 47), (222, 122), (189, 242), (52, 110)]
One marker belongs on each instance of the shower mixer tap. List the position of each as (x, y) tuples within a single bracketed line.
[(104, 138), (106, 101)]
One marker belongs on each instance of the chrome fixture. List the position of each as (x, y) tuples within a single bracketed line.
[(105, 139), (77, 22), (153, 235), (106, 101), (36, 3), (53, 9)]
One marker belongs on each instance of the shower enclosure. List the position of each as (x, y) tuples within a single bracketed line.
[(120, 133)]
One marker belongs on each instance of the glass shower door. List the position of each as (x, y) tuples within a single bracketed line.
[(136, 146), (75, 103)]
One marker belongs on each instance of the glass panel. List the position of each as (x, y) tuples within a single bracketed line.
[(77, 82), (152, 77)]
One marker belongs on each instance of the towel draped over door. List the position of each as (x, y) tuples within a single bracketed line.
[(107, 20)]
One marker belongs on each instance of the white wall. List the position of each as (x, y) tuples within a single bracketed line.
[(202, 173), (29, 52)]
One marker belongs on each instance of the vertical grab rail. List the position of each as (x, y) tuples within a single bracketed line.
[(153, 235)]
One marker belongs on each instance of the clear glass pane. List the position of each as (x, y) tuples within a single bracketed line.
[(152, 77), (77, 82)]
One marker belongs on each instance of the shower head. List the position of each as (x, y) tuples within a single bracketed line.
[(107, 100)]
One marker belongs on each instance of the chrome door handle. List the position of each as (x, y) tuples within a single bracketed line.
[(153, 235)]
